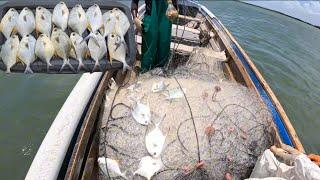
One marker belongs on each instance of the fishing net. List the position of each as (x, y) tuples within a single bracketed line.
[(224, 131)]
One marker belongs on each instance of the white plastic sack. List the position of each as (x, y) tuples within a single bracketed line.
[(268, 167)]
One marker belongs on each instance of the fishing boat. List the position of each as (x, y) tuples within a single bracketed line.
[(73, 153)]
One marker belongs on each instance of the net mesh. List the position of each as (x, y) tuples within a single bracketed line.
[(232, 124)]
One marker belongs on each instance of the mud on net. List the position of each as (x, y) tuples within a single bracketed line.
[(232, 124)]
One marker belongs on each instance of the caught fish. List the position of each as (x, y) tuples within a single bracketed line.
[(175, 93), (43, 21), (155, 141), (141, 113), (109, 23), (9, 22), (159, 87), (95, 21), (60, 15), (78, 19), (122, 21), (81, 50), (148, 166), (62, 45), (9, 52), (112, 165), (26, 22), (117, 50), (44, 49), (26, 51), (98, 49)]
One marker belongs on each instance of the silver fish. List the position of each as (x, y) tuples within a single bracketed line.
[(60, 15), (117, 50), (122, 22), (109, 23), (81, 50), (62, 45), (155, 141), (9, 52), (44, 49), (26, 22), (113, 167), (9, 22), (77, 19), (141, 113), (26, 51), (43, 21), (95, 21), (148, 166), (98, 49)]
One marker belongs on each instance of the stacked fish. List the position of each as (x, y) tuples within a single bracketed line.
[(52, 39)]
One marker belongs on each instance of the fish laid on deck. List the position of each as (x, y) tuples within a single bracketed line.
[(95, 21), (60, 16), (26, 51), (26, 22), (43, 21), (62, 45), (78, 19), (80, 50), (44, 49), (98, 49), (9, 22), (9, 52)]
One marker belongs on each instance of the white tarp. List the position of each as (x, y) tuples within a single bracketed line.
[(268, 167)]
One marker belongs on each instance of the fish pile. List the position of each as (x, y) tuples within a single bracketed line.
[(64, 34)]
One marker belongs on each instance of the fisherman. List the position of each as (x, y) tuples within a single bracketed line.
[(156, 31)]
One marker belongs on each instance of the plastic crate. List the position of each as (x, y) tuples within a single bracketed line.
[(41, 67)]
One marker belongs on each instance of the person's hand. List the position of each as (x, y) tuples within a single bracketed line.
[(171, 13)]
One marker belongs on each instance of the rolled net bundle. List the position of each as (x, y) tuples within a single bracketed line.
[(232, 125)]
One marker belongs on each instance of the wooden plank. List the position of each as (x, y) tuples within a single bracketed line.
[(181, 47), (285, 119), (86, 130), (189, 18), (188, 29)]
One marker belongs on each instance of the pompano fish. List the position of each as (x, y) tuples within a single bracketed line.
[(98, 49), (81, 50), (9, 22), (9, 52), (62, 45), (60, 15), (77, 19), (95, 21), (141, 113), (26, 51), (123, 24), (109, 23), (155, 141), (148, 166), (26, 22), (113, 167), (44, 49), (158, 87), (117, 50), (43, 21)]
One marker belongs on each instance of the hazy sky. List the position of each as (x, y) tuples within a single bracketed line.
[(308, 11)]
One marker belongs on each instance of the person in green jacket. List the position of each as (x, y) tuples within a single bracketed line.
[(156, 31)]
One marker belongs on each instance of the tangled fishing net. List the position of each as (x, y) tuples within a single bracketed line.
[(225, 130)]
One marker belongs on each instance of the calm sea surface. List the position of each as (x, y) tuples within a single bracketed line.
[(286, 51)]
